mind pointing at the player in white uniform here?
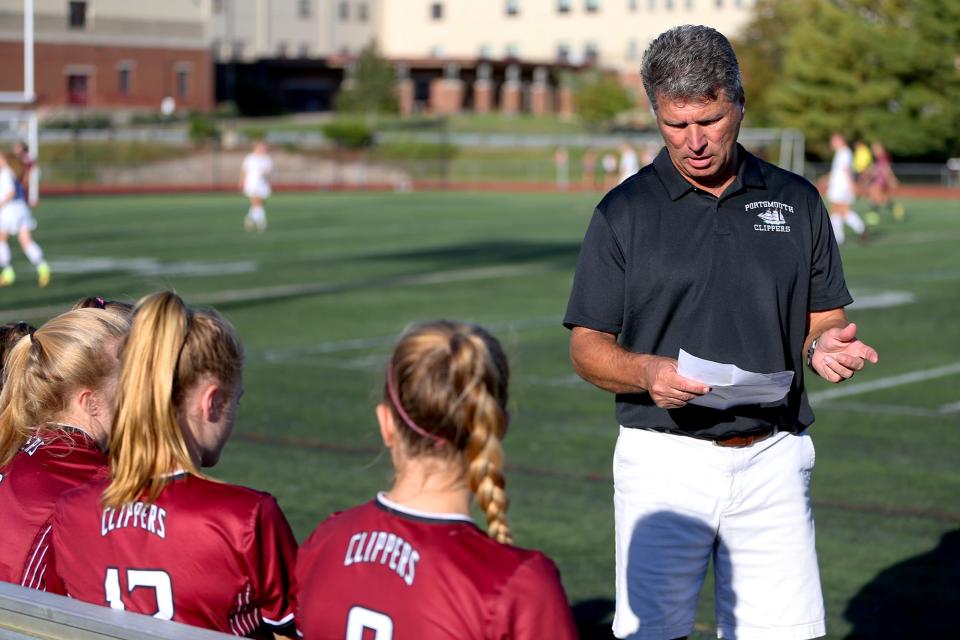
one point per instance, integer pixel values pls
(16, 219)
(629, 162)
(840, 190)
(253, 181)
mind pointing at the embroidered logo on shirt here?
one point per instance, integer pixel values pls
(772, 215)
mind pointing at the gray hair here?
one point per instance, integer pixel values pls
(691, 62)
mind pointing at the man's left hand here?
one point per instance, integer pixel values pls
(839, 354)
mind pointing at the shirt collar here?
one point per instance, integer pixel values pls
(748, 174)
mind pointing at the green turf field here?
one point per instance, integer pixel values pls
(319, 298)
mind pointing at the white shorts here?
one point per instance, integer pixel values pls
(259, 189)
(840, 195)
(15, 216)
(680, 500)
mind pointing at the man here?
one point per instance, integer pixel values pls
(714, 251)
(841, 190)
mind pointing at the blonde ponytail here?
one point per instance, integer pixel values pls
(451, 384)
(72, 351)
(169, 347)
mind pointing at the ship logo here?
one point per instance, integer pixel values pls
(772, 217)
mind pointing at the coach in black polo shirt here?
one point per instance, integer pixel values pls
(731, 259)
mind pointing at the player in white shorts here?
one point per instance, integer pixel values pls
(16, 219)
(841, 192)
(257, 166)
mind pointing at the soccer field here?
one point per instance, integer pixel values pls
(320, 297)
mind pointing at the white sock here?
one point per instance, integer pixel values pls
(4, 254)
(855, 222)
(34, 253)
(258, 215)
(837, 223)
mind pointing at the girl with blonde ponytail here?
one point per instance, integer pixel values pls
(55, 412)
(213, 555)
(411, 563)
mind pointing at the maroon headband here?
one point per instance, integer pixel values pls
(395, 400)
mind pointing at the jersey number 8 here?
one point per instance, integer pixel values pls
(360, 619)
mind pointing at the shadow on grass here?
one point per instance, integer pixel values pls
(919, 597)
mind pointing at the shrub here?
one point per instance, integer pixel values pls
(348, 134)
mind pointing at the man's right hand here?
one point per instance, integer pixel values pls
(667, 388)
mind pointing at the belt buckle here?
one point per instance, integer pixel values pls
(740, 442)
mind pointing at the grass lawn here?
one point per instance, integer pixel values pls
(319, 298)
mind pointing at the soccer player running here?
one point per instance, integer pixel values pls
(411, 563)
(257, 166)
(711, 250)
(158, 537)
(16, 220)
(841, 190)
(55, 413)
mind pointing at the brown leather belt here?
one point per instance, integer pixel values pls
(745, 440)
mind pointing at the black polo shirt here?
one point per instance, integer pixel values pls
(666, 266)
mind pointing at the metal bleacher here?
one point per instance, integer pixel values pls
(26, 614)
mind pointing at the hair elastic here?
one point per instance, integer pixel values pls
(395, 400)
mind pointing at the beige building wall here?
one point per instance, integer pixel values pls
(122, 23)
(617, 30)
(248, 30)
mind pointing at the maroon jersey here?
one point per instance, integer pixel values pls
(206, 553)
(48, 464)
(381, 571)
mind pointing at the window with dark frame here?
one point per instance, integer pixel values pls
(77, 89)
(304, 8)
(183, 83)
(77, 14)
(513, 7)
(436, 11)
(564, 6)
(123, 80)
(592, 6)
(362, 13)
(344, 11)
(217, 6)
(563, 53)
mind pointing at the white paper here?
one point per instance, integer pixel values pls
(730, 385)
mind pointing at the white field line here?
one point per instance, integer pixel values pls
(844, 390)
(881, 300)
(953, 407)
(288, 291)
(883, 409)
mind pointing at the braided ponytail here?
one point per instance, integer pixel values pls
(447, 383)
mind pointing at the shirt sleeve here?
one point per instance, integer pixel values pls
(534, 605)
(274, 565)
(828, 289)
(596, 301)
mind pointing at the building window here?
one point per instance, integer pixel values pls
(238, 47)
(668, 4)
(513, 7)
(436, 51)
(632, 49)
(183, 82)
(304, 8)
(485, 51)
(77, 89)
(282, 49)
(592, 6)
(77, 14)
(513, 50)
(217, 6)
(688, 4)
(123, 80)
(652, 5)
(436, 11)
(564, 6)
(304, 51)
(362, 12)
(590, 53)
(344, 11)
(563, 53)
(632, 4)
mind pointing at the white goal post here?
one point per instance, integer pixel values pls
(17, 120)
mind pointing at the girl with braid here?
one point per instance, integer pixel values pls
(55, 412)
(411, 563)
(157, 536)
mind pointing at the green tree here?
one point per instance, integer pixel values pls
(876, 69)
(599, 97)
(371, 89)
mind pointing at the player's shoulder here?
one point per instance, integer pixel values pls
(351, 518)
(225, 494)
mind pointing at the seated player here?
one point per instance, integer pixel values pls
(411, 563)
(158, 537)
(55, 413)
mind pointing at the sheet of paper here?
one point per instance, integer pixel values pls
(730, 385)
